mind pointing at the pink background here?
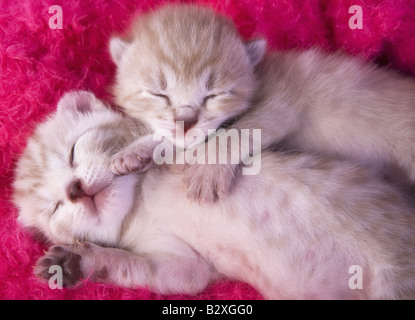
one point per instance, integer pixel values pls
(38, 64)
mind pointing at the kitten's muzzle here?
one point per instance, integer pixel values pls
(186, 117)
(187, 125)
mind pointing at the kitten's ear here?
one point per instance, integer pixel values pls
(117, 48)
(80, 101)
(256, 50)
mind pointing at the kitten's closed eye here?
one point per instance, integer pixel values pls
(72, 155)
(58, 204)
(207, 98)
(163, 96)
(167, 99)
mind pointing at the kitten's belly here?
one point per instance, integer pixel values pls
(223, 233)
(258, 242)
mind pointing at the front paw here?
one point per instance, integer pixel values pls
(64, 257)
(125, 162)
(207, 183)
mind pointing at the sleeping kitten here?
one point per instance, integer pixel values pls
(176, 75)
(293, 231)
(310, 101)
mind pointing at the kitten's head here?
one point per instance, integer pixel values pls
(187, 64)
(63, 185)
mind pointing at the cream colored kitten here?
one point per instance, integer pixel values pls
(299, 229)
(311, 101)
(175, 74)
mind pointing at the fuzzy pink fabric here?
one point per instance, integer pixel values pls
(38, 64)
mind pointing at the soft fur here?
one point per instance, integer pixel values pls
(305, 99)
(39, 64)
(197, 75)
(292, 231)
(198, 72)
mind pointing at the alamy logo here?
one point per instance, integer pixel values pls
(223, 147)
(356, 280)
(56, 280)
(356, 20)
(56, 21)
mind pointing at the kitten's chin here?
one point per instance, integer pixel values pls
(112, 205)
(95, 205)
(113, 201)
(99, 200)
(184, 140)
(90, 205)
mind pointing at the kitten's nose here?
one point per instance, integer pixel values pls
(75, 190)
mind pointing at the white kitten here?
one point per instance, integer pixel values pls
(60, 174)
(292, 231)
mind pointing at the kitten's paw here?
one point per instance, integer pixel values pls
(210, 182)
(135, 157)
(126, 162)
(64, 257)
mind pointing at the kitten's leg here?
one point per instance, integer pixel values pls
(135, 157)
(210, 182)
(162, 272)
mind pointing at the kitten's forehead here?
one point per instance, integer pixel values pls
(42, 159)
(168, 76)
(187, 38)
(43, 165)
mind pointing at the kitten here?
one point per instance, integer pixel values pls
(293, 231)
(54, 177)
(306, 100)
(176, 75)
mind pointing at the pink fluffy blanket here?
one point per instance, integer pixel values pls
(38, 64)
